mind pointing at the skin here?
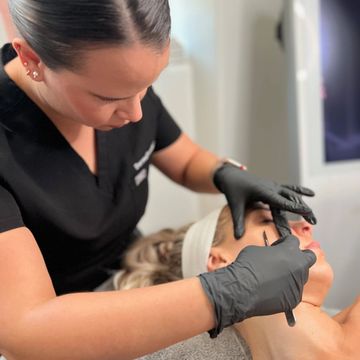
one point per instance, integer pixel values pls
(113, 325)
(315, 335)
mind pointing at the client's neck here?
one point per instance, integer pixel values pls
(270, 337)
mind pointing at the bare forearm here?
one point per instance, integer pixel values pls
(187, 164)
(198, 175)
(112, 325)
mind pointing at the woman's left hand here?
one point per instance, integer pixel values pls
(241, 188)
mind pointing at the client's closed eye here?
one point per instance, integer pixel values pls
(263, 217)
(267, 220)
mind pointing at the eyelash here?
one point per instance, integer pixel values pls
(108, 100)
(267, 221)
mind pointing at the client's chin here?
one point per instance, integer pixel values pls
(321, 277)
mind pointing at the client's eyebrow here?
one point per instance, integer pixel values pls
(258, 206)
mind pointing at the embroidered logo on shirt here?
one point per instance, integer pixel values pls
(145, 157)
(140, 177)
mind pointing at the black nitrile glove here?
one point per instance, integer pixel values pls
(281, 222)
(261, 281)
(242, 188)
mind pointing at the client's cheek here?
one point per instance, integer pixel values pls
(253, 239)
(272, 235)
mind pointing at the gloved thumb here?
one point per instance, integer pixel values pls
(310, 257)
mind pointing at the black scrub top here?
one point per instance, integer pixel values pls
(81, 222)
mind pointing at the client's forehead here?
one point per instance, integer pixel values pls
(256, 209)
(257, 206)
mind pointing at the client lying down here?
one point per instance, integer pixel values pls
(209, 245)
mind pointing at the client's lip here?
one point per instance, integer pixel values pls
(313, 245)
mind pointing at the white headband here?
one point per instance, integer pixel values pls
(197, 245)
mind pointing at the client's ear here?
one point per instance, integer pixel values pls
(218, 258)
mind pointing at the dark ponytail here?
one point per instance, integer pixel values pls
(60, 30)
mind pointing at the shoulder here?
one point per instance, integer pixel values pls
(152, 105)
(10, 215)
(10, 94)
(157, 122)
(350, 346)
(151, 96)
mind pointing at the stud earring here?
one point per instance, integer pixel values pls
(35, 74)
(25, 63)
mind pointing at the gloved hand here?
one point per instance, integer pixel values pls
(241, 188)
(261, 281)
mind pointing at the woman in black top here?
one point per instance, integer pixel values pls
(80, 125)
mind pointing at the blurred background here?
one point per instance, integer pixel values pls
(241, 93)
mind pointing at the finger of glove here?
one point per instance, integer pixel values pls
(293, 202)
(238, 217)
(300, 190)
(280, 222)
(296, 199)
(310, 257)
(311, 219)
(285, 200)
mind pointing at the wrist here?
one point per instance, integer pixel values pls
(225, 162)
(230, 303)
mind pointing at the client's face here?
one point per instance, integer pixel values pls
(260, 220)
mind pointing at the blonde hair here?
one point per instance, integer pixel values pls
(156, 259)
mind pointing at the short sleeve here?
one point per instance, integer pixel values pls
(10, 216)
(167, 129)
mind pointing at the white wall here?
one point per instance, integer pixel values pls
(3, 32)
(170, 205)
(337, 201)
(7, 30)
(238, 65)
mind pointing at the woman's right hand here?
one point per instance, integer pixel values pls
(261, 281)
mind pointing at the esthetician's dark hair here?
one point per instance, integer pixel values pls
(60, 30)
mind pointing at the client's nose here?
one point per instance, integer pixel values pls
(301, 228)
